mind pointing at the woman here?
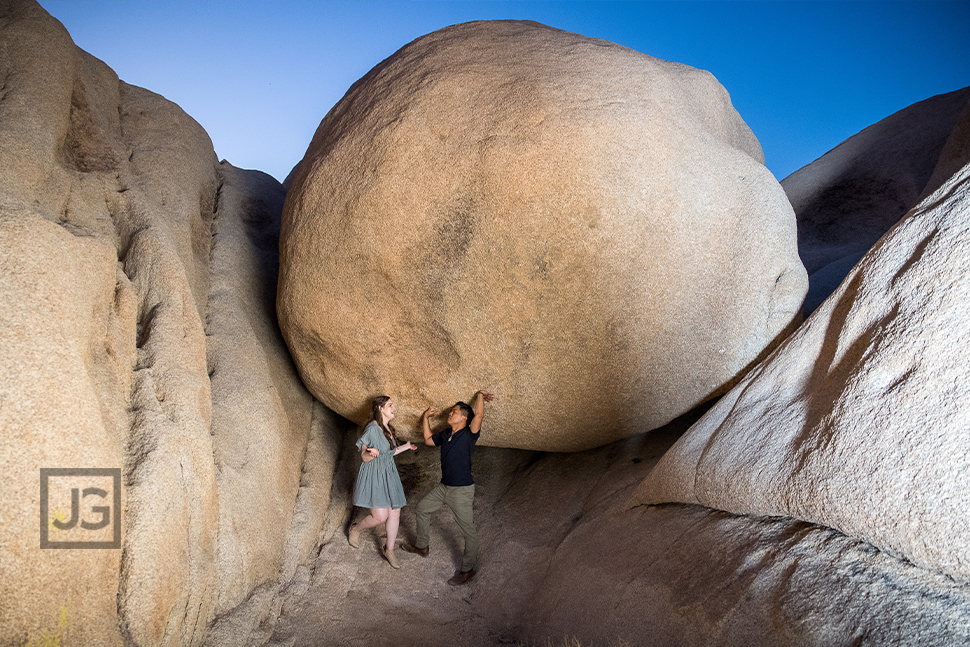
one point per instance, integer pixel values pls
(378, 485)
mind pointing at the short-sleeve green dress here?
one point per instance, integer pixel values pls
(378, 483)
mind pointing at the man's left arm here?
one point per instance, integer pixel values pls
(478, 406)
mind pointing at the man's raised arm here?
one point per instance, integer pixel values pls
(478, 406)
(426, 426)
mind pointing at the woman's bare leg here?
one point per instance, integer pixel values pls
(376, 517)
(393, 523)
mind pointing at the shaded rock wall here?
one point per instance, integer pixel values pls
(137, 331)
(848, 198)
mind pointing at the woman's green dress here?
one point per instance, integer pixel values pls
(378, 483)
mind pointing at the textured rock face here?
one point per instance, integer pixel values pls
(137, 285)
(859, 420)
(848, 198)
(558, 218)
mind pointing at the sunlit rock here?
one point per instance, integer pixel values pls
(586, 230)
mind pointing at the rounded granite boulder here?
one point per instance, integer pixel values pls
(585, 230)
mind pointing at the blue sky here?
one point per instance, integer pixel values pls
(260, 75)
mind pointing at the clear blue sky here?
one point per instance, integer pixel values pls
(260, 75)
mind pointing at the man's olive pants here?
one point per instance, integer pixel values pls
(459, 499)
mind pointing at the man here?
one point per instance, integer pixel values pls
(457, 489)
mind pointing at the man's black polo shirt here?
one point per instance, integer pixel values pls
(456, 455)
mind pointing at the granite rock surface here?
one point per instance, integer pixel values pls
(138, 333)
(848, 198)
(858, 421)
(558, 218)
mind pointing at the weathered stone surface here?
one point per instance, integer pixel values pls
(586, 230)
(859, 420)
(137, 331)
(848, 198)
(582, 567)
(273, 444)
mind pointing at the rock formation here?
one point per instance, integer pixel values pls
(859, 420)
(848, 198)
(586, 230)
(137, 332)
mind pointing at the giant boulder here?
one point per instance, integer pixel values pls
(859, 420)
(586, 230)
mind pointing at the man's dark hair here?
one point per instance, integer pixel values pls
(467, 411)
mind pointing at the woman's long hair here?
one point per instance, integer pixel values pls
(375, 416)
